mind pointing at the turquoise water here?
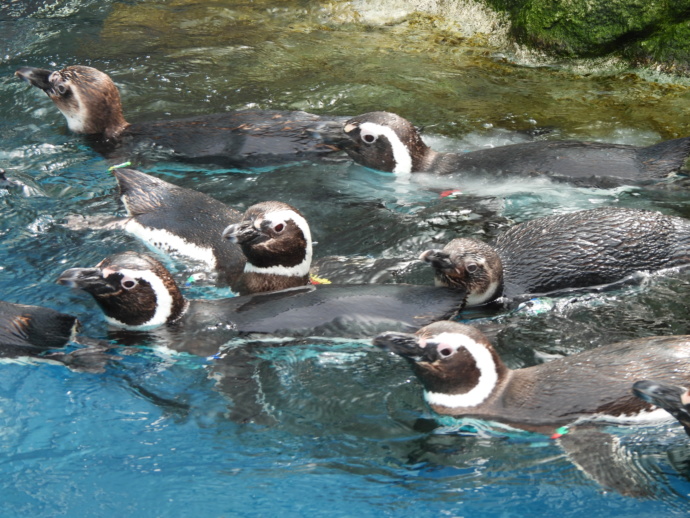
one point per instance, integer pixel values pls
(336, 427)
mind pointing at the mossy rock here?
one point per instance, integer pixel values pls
(668, 50)
(639, 29)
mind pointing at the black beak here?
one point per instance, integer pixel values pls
(437, 258)
(37, 77)
(242, 232)
(331, 133)
(404, 344)
(88, 279)
(664, 396)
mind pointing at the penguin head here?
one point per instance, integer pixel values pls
(386, 142)
(468, 264)
(87, 98)
(134, 291)
(674, 399)
(275, 238)
(456, 364)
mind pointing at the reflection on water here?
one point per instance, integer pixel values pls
(334, 426)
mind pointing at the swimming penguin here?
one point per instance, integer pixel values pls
(276, 241)
(387, 142)
(36, 331)
(90, 102)
(137, 293)
(581, 249)
(672, 398)
(182, 221)
(464, 377)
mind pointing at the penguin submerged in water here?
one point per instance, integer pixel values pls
(91, 104)
(136, 292)
(578, 250)
(387, 142)
(464, 377)
(36, 332)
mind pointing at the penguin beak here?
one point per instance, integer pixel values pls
(403, 344)
(241, 233)
(437, 259)
(331, 133)
(668, 397)
(351, 132)
(37, 77)
(88, 279)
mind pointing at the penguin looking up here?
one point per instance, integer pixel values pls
(387, 142)
(91, 104)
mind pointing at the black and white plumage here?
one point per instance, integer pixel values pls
(91, 104)
(577, 250)
(276, 241)
(568, 398)
(463, 376)
(136, 292)
(387, 142)
(672, 398)
(181, 221)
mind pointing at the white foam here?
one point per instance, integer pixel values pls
(488, 374)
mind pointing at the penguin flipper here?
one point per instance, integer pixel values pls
(601, 457)
(92, 358)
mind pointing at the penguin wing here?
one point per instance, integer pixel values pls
(601, 457)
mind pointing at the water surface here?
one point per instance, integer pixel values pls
(333, 427)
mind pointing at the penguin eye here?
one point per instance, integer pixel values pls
(368, 137)
(471, 267)
(279, 227)
(61, 89)
(128, 283)
(445, 352)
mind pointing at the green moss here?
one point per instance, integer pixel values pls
(667, 49)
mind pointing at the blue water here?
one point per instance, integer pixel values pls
(334, 426)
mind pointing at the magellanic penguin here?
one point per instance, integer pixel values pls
(91, 104)
(387, 142)
(567, 398)
(578, 250)
(137, 293)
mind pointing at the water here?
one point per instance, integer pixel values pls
(336, 425)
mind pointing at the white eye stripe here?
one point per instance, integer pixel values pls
(488, 375)
(164, 301)
(283, 216)
(401, 155)
(300, 270)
